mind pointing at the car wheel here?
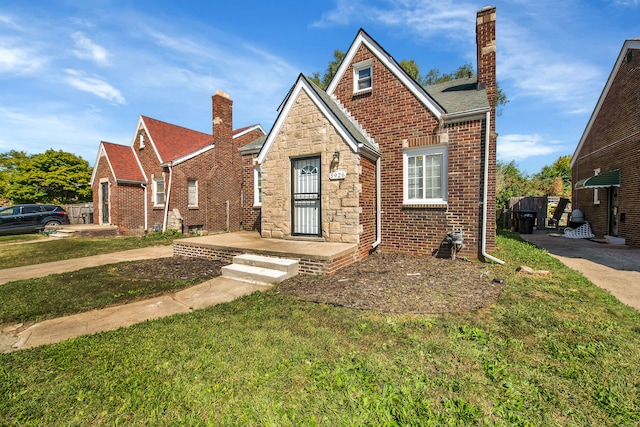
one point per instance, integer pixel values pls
(52, 223)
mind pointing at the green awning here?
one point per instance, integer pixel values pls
(607, 179)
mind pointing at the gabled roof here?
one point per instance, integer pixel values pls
(344, 124)
(362, 38)
(628, 44)
(239, 132)
(122, 162)
(174, 143)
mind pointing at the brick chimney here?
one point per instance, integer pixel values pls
(486, 55)
(227, 167)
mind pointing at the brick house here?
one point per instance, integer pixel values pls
(171, 177)
(380, 161)
(605, 163)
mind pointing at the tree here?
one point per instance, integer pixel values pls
(412, 69)
(50, 177)
(338, 56)
(555, 180)
(8, 165)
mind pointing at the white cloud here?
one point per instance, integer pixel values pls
(519, 147)
(425, 19)
(95, 85)
(86, 49)
(19, 60)
(8, 22)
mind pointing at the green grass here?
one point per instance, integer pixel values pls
(58, 250)
(87, 289)
(552, 351)
(19, 238)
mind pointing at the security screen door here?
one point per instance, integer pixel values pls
(305, 196)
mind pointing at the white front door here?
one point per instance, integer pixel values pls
(306, 196)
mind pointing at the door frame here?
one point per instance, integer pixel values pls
(613, 211)
(318, 195)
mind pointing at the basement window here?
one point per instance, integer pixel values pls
(363, 76)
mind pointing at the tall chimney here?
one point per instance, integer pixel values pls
(222, 107)
(225, 185)
(486, 55)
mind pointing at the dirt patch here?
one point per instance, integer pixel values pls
(401, 283)
(173, 268)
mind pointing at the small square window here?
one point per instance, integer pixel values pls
(362, 76)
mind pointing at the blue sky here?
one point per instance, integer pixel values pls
(74, 73)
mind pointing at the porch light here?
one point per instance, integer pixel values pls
(336, 156)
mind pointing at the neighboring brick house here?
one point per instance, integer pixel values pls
(604, 167)
(171, 177)
(380, 161)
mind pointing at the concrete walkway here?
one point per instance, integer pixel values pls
(56, 267)
(214, 291)
(615, 268)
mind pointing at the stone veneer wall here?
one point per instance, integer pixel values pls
(307, 132)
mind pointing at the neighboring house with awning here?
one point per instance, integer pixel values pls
(606, 163)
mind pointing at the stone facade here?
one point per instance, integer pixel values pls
(307, 132)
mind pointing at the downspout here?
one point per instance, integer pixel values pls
(146, 209)
(378, 207)
(485, 192)
(166, 204)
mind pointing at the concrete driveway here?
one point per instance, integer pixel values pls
(615, 268)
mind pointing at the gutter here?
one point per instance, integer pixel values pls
(485, 192)
(378, 207)
(146, 208)
(166, 203)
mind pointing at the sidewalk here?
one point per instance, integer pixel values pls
(615, 268)
(211, 292)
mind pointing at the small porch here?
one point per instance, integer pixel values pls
(314, 256)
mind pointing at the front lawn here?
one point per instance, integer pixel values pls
(19, 255)
(552, 351)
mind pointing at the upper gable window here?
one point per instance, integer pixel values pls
(362, 76)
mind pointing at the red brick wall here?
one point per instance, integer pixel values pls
(368, 204)
(391, 114)
(611, 144)
(152, 169)
(250, 213)
(125, 201)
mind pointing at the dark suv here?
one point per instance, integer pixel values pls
(27, 218)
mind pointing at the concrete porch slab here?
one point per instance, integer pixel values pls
(252, 242)
(314, 257)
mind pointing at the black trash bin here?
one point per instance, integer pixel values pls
(526, 220)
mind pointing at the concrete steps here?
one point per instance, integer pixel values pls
(61, 233)
(260, 269)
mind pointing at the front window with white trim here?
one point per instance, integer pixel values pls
(192, 193)
(257, 186)
(363, 76)
(158, 191)
(425, 175)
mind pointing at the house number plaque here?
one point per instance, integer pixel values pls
(337, 175)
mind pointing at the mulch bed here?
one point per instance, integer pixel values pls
(400, 283)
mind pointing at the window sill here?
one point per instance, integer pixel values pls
(193, 207)
(440, 206)
(363, 92)
(257, 206)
